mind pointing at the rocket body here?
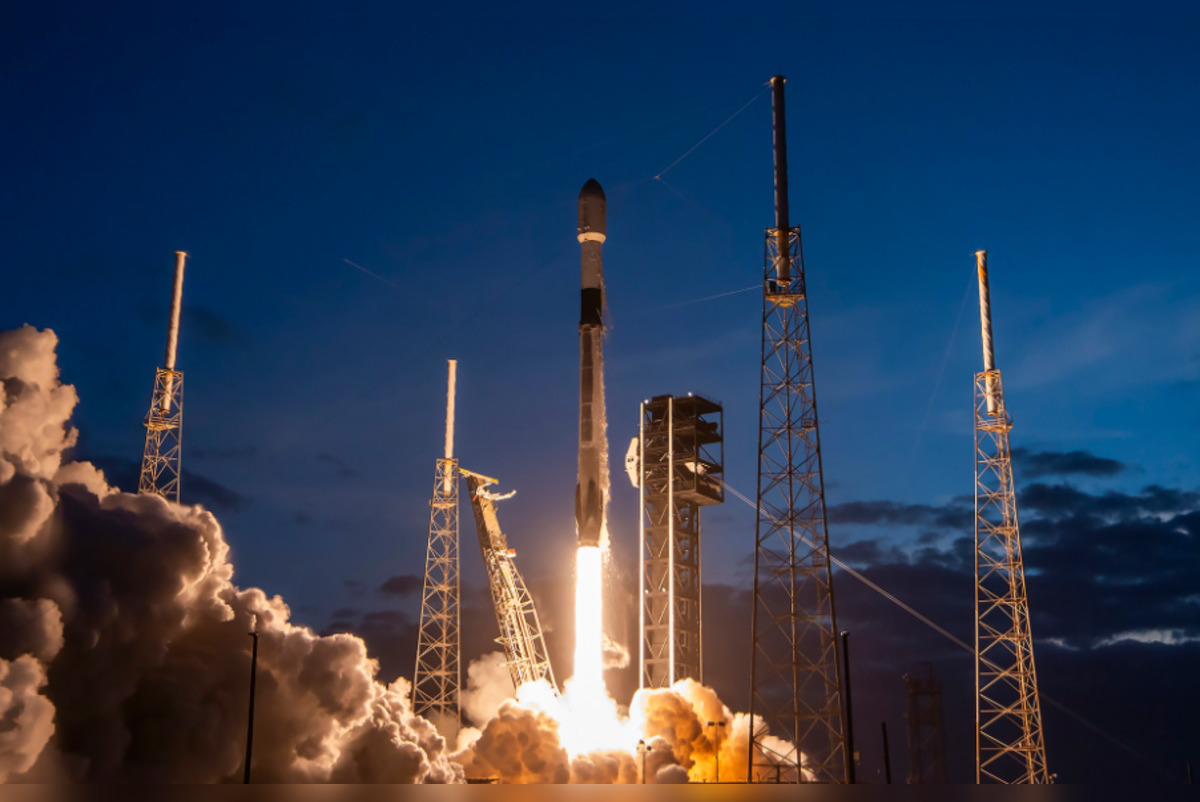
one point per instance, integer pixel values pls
(593, 468)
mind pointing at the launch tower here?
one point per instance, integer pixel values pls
(438, 675)
(926, 728)
(516, 615)
(164, 422)
(1008, 717)
(681, 459)
(795, 677)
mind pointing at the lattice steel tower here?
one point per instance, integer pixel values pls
(438, 674)
(926, 728)
(681, 464)
(521, 637)
(795, 677)
(164, 422)
(1008, 718)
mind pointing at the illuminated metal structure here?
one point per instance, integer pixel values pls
(1008, 718)
(520, 629)
(161, 456)
(680, 468)
(795, 676)
(926, 728)
(437, 678)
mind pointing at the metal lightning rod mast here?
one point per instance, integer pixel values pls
(795, 678)
(164, 422)
(437, 677)
(1008, 718)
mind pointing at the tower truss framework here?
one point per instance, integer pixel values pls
(161, 456)
(795, 672)
(526, 656)
(681, 459)
(437, 677)
(1008, 734)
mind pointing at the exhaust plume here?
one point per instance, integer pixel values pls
(123, 649)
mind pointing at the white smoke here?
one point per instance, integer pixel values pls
(124, 653)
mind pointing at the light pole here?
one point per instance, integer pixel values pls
(718, 747)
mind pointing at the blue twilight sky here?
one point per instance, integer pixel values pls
(445, 157)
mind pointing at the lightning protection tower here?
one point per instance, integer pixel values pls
(681, 456)
(1008, 718)
(795, 677)
(926, 728)
(438, 676)
(164, 422)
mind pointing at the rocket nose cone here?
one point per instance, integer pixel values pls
(591, 208)
(591, 189)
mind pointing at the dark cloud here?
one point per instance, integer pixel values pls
(1063, 500)
(401, 585)
(952, 516)
(865, 552)
(1036, 464)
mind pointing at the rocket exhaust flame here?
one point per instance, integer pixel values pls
(589, 660)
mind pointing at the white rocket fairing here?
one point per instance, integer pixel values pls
(589, 492)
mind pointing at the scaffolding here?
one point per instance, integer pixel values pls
(1008, 719)
(795, 676)
(681, 458)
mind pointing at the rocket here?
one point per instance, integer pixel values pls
(589, 492)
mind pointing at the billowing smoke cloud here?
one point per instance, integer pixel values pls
(124, 653)
(522, 743)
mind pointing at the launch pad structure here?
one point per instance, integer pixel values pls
(437, 678)
(163, 451)
(680, 468)
(1008, 717)
(795, 673)
(516, 615)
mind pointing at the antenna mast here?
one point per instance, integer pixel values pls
(795, 677)
(438, 675)
(164, 422)
(1008, 717)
